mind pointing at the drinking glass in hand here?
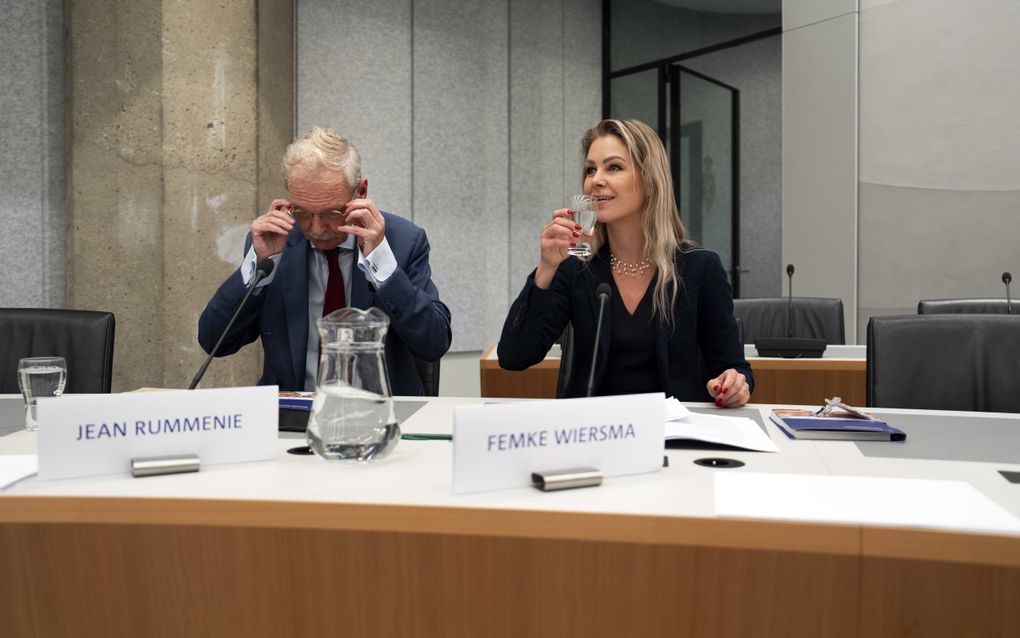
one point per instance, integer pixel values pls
(584, 207)
(40, 377)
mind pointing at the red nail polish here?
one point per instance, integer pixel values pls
(575, 234)
(570, 212)
(716, 388)
(725, 390)
(577, 227)
(572, 244)
(718, 401)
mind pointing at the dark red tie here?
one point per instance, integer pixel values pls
(334, 284)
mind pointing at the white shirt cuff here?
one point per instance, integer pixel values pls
(248, 267)
(379, 264)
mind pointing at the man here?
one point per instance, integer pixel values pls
(332, 248)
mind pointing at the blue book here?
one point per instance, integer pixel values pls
(297, 400)
(802, 424)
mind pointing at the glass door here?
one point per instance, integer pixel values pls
(702, 138)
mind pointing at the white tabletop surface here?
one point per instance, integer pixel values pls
(420, 472)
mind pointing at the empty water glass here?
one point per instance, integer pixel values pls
(40, 377)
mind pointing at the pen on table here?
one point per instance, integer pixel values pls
(427, 437)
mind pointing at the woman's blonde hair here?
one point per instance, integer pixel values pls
(323, 148)
(662, 230)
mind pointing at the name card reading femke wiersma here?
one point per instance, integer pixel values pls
(81, 435)
(497, 446)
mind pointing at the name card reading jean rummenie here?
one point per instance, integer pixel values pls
(497, 446)
(86, 434)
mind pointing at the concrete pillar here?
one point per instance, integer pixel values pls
(166, 128)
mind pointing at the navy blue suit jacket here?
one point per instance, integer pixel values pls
(278, 314)
(703, 320)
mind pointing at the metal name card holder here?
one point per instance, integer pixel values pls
(566, 479)
(157, 465)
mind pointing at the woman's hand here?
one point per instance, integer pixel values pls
(729, 389)
(557, 236)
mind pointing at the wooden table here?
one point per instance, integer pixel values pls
(787, 381)
(808, 381)
(300, 547)
(194, 567)
(537, 382)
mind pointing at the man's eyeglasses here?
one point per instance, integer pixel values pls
(328, 217)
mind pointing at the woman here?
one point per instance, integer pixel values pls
(669, 298)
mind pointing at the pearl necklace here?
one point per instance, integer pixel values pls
(631, 270)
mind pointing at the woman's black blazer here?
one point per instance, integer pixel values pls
(701, 343)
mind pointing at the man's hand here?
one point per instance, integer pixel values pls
(269, 232)
(365, 222)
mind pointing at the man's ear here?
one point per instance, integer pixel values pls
(362, 190)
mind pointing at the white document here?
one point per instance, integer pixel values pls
(498, 446)
(14, 467)
(725, 430)
(861, 500)
(676, 410)
(86, 434)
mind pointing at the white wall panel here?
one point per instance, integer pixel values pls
(801, 13)
(939, 95)
(939, 159)
(820, 161)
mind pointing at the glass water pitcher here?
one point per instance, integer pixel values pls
(352, 415)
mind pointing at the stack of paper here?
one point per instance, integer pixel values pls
(740, 432)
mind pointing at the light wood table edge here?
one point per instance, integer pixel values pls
(493, 364)
(538, 524)
(799, 537)
(942, 546)
(770, 363)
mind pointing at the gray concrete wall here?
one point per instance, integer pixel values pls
(166, 125)
(32, 162)
(469, 116)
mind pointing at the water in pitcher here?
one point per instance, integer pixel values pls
(349, 423)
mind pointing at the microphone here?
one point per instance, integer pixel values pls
(789, 305)
(789, 346)
(1006, 278)
(263, 269)
(602, 292)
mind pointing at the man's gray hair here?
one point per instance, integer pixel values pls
(323, 148)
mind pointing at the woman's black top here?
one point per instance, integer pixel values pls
(631, 367)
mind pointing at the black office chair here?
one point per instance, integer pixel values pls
(428, 371)
(962, 306)
(813, 317)
(944, 362)
(84, 338)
